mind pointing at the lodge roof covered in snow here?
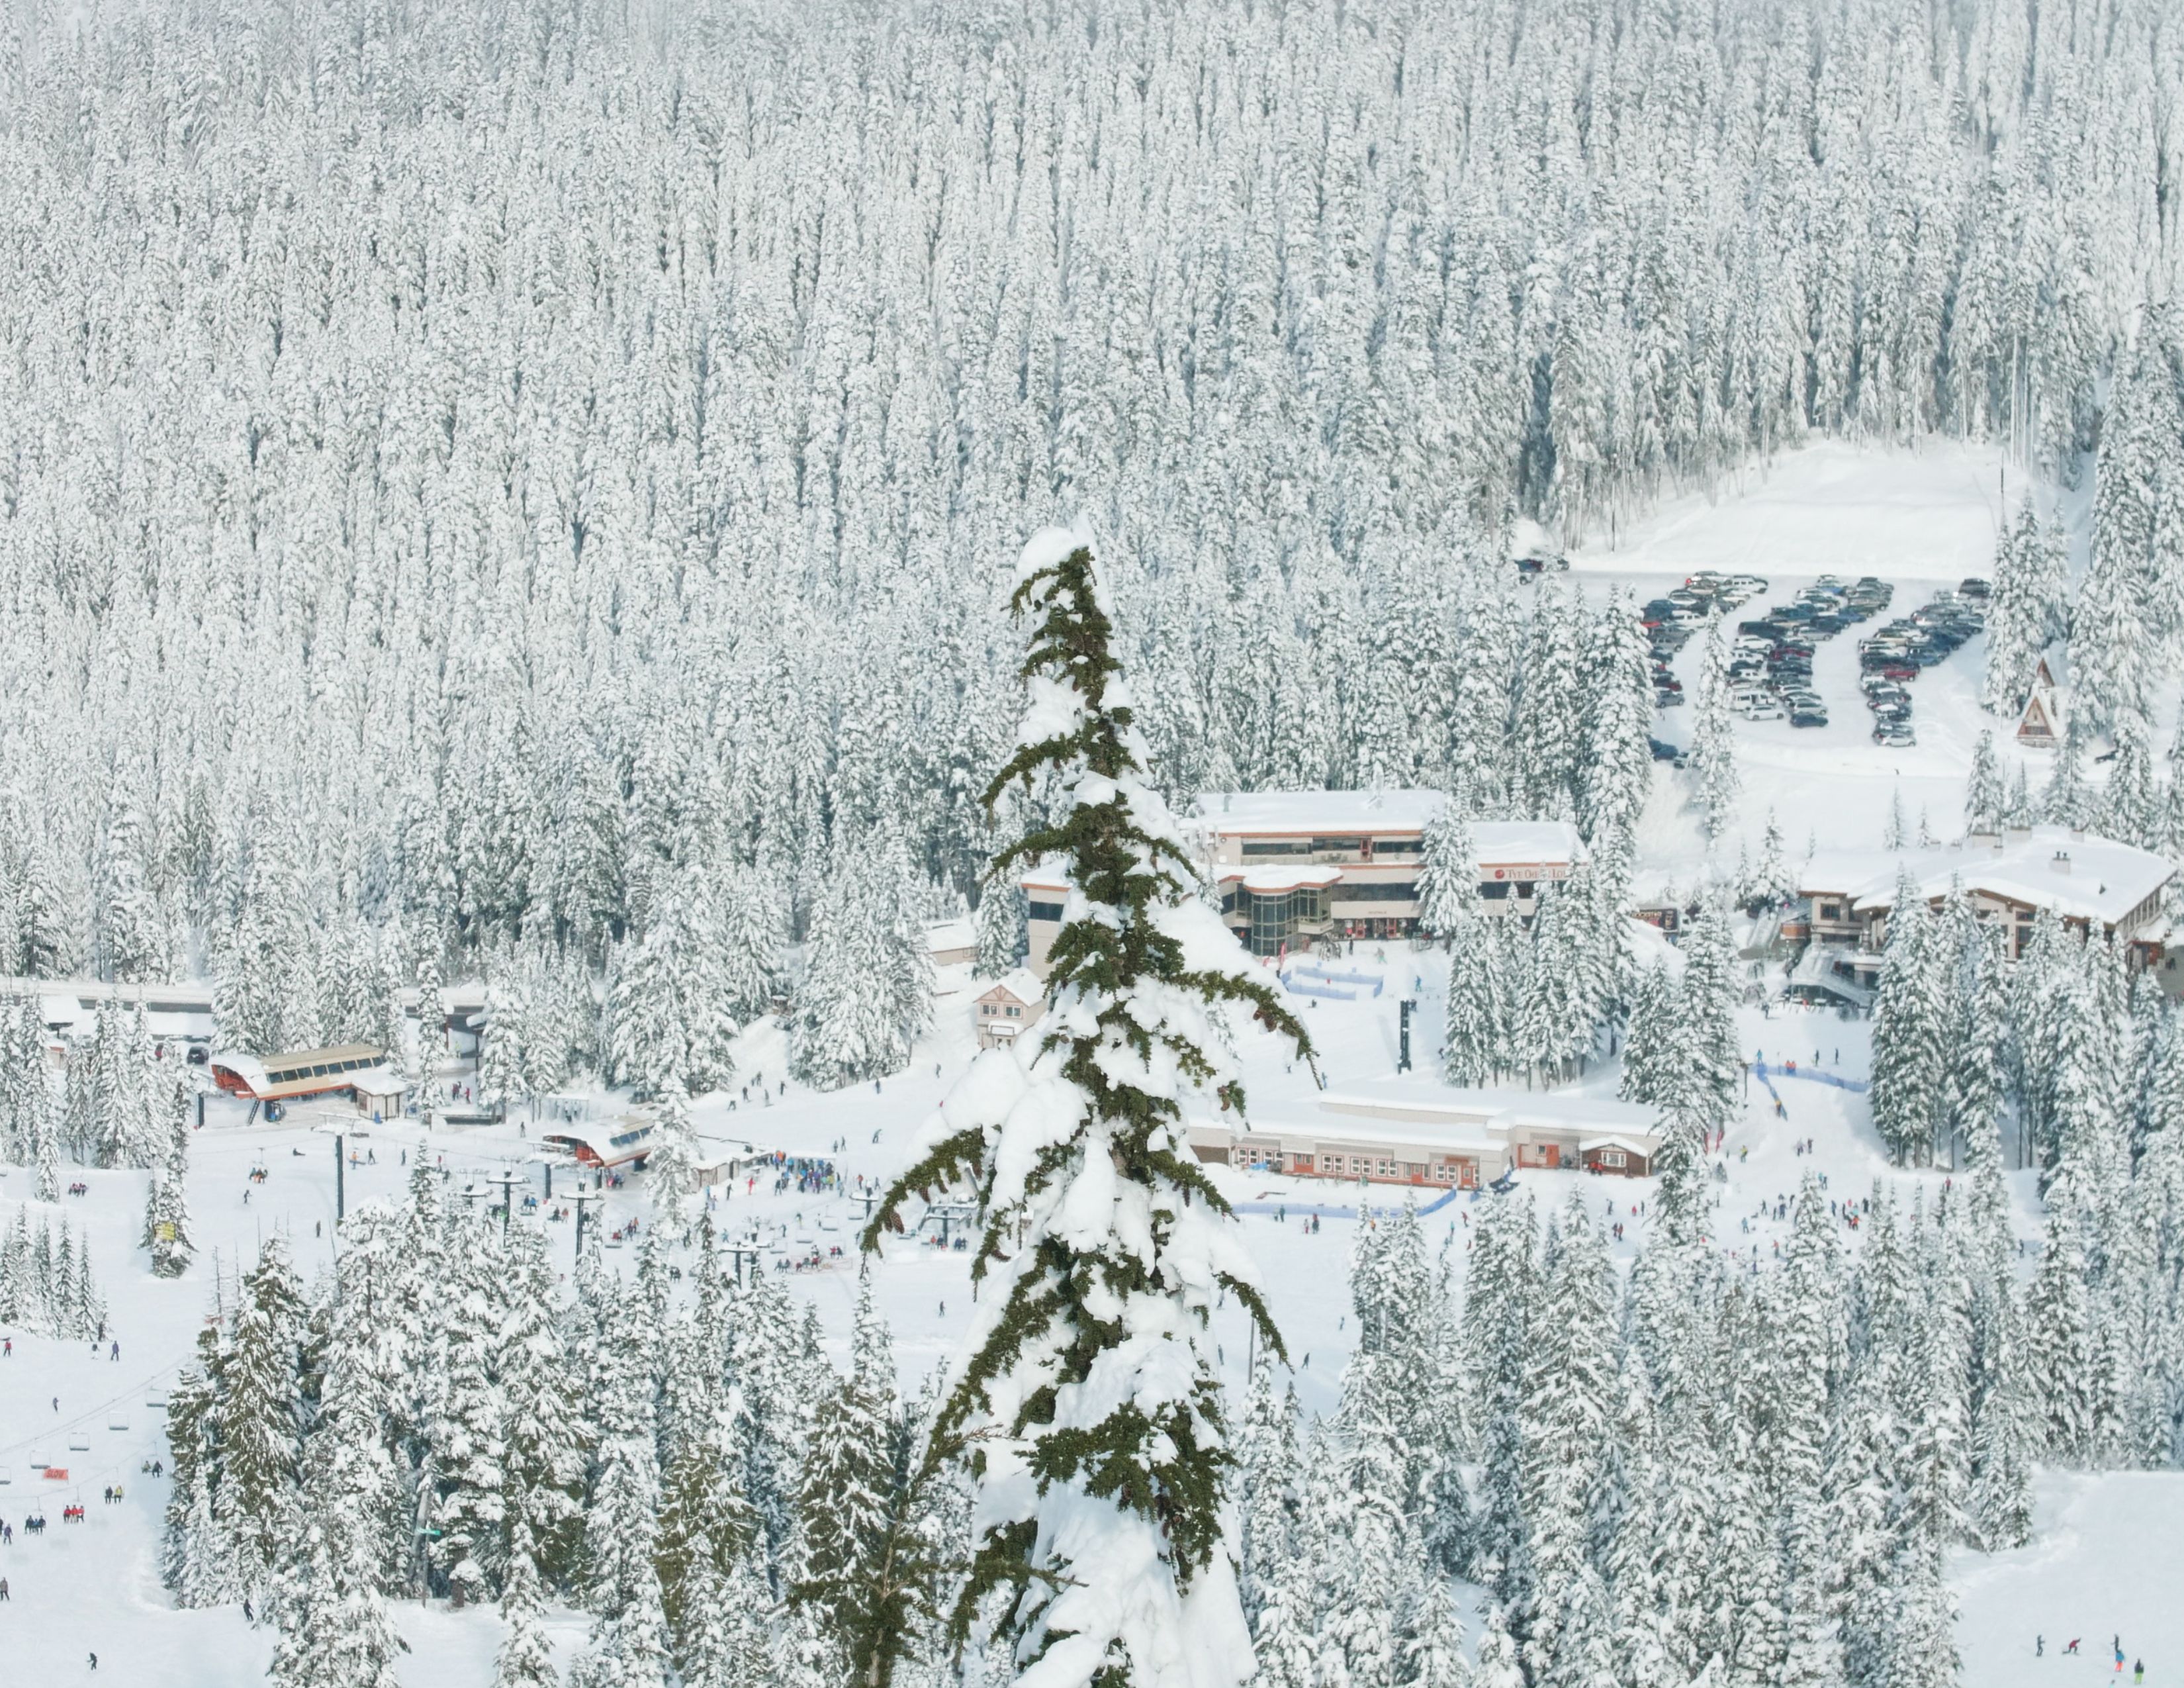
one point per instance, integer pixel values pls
(1297, 814)
(2079, 875)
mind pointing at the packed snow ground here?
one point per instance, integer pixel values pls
(2108, 1550)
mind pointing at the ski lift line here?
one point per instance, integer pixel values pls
(8, 1450)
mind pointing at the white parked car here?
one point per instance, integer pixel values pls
(1762, 709)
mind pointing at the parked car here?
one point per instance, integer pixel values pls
(1761, 709)
(1972, 586)
(1663, 751)
(1895, 734)
(1808, 717)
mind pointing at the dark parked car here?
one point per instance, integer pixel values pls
(1663, 752)
(1808, 717)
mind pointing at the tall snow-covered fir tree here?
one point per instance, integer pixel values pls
(167, 1204)
(1086, 1396)
(1448, 870)
(1714, 737)
(1909, 1027)
(868, 982)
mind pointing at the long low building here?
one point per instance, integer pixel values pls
(1294, 866)
(1459, 1140)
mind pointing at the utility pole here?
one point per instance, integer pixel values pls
(1403, 1042)
(583, 1198)
(508, 1182)
(341, 1188)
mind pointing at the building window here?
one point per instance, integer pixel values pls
(1275, 919)
(1400, 891)
(1045, 912)
(1494, 890)
(1830, 912)
(1276, 847)
(1016, 1013)
(1338, 846)
(1397, 846)
(1614, 1157)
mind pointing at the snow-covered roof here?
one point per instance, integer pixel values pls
(1294, 1135)
(1023, 984)
(1046, 876)
(608, 1139)
(1250, 814)
(1497, 841)
(1269, 881)
(942, 936)
(2080, 876)
(1225, 812)
(1500, 1110)
(1460, 1121)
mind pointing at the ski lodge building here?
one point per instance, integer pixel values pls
(2092, 883)
(1295, 866)
(1460, 1140)
(359, 1070)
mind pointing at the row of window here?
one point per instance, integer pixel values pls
(321, 1071)
(1391, 891)
(1331, 846)
(1371, 1166)
(1306, 904)
(1012, 1010)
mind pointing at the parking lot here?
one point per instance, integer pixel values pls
(1771, 653)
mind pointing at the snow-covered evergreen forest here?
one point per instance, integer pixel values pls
(1643, 1471)
(536, 476)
